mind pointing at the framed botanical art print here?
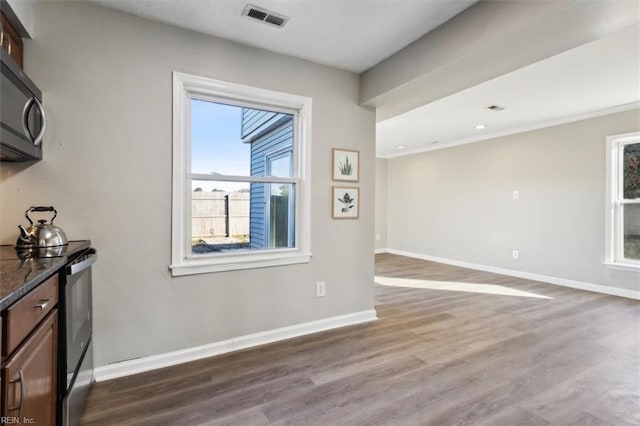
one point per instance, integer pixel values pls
(346, 202)
(346, 165)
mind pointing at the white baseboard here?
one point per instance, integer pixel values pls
(153, 362)
(381, 250)
(630, 294)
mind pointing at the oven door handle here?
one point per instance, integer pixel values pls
(76, 268)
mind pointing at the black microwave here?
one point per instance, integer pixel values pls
(22, 117)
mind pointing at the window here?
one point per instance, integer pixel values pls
(281, 206)
(623, 200)
(240, 177)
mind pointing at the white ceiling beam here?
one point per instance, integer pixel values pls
(485, 41)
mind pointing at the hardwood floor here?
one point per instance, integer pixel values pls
(495, 351)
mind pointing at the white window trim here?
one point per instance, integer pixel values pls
(186, 86)
(614, 249)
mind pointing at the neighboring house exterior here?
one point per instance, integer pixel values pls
(271, 208)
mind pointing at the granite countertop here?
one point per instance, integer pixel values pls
(19, 276)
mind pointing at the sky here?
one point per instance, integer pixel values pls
(216, 146)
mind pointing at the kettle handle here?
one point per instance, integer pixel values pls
(41, 209)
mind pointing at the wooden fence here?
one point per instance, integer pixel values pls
(219, 214)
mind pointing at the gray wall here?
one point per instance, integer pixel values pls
(457, 203)
(381, 203)
(106, 79)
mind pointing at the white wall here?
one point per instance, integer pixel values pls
(457, 203)
(381, 203)
(106, 79)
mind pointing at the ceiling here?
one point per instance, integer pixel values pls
(321, 31)
(592, 79)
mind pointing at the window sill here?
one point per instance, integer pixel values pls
(622, 266)
(209, 265)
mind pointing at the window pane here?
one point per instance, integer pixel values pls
(280, 165)
(281, 215)
(632, 231)
(267, 132)
(232, 216)
(631, 172)
(216, 143)
(272, 217)
(219, 216)
(232, 140)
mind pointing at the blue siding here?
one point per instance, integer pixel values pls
(257, 209)
(268, 132)
(257, 123)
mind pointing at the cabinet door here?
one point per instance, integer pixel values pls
(10, 40)
(29, 377)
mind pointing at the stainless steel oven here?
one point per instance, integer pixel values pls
(76, 358)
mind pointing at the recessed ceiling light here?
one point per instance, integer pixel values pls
(481, 126)
(400, 146)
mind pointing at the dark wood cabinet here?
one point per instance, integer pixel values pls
(10, 39)
(22, 317)
(29, 376)
(29, 357)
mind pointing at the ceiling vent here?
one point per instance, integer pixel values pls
(495, 108)
(265, 16)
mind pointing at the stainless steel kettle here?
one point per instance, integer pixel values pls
(42, 234)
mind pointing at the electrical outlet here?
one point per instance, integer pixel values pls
(516, 195)
(377, 237)
(516, 254)
(321, 289)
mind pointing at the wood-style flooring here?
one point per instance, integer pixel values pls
(496, 350)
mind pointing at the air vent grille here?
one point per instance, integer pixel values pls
(275, 20)
(257, 14)
(265, 16)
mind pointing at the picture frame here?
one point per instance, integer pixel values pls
(346, 165)
(346, 202)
